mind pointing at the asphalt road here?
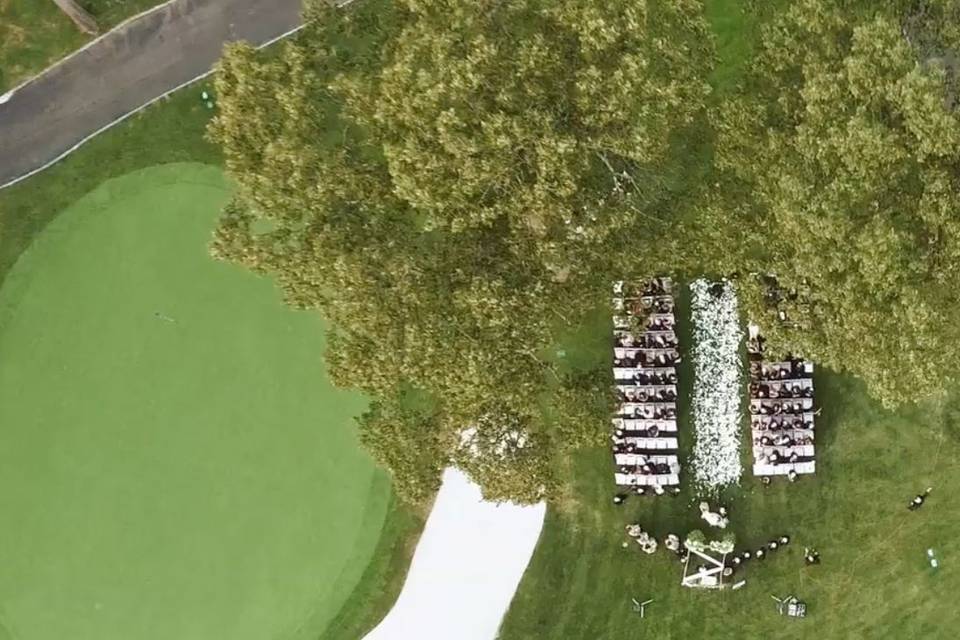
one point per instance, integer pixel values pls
(127, 68)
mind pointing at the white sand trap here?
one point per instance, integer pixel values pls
(466, 568)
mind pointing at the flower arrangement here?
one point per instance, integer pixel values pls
(718, 384)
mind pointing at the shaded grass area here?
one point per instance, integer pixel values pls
(35, 33)
(736, 27)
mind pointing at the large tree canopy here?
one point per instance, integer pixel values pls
(443, 180)
(456, 184)
(847, 149)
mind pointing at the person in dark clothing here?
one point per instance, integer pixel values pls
(920, 498)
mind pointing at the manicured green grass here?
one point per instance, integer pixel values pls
(175, 464)
(874, 581)
(35, 33)
(172, 131)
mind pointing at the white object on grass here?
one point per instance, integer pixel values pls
(717, 385)
(466, 568)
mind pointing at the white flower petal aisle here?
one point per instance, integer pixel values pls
(717, 384)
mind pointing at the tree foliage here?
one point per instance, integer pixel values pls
(455, 185)
(846, 152)
(439, 178)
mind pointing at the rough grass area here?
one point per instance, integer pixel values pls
(383, 579)
(35, 33)
(874, 581)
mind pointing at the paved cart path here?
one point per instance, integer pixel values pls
(126, 69)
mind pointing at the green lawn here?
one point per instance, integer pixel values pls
(175, 463)
(35, 33)
(172, 131)
(874, 581)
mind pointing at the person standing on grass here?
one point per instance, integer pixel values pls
(918, 501)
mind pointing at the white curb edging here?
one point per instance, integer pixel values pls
(5, 97)
(133, 112)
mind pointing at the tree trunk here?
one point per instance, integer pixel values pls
(78, 14)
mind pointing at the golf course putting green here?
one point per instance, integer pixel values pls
(174, 463)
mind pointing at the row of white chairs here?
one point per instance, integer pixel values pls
(784, 469)
(666, 282)
(803, 383)
(651, 388)
(767, 367)
(628, 374)
(806, 403)
(648, 480)
(757, 418)
(635, 424)
(649, 443)
(630, 459)
(803, 450)
(623, 322)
